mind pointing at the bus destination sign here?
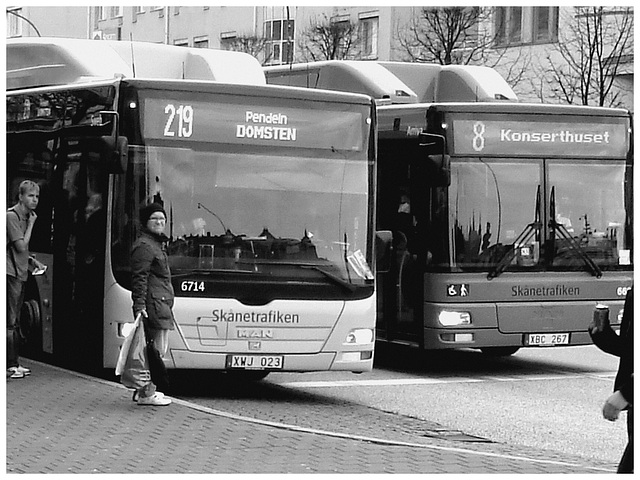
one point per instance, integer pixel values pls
(518, 138)
(199, 121)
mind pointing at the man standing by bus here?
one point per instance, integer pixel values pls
(622, 398)
(20, 220)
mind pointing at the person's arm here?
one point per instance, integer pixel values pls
(627, 390)
(619, 400)
(141, 260)
(606, 340)
(22, 244)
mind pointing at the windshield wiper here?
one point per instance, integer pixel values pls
(574, 246)
(531, 229)
(312, 266)
(210, 272)
(334, 278)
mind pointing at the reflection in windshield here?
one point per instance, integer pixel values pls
(592, 212)
(491, 204)
(260, 214)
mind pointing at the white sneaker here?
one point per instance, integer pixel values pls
(15, 372)
(157, 399)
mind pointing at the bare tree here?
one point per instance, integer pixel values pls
(459, 35)
(328, 39)
(584, 65)
(251, 44)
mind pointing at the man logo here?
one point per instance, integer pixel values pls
(254, 333)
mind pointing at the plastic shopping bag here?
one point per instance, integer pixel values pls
(126, 345)
(136, 373)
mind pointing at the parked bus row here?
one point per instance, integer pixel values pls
(508, 221)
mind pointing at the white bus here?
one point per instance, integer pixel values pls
(268, 190)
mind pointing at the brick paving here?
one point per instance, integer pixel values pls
(58, 421)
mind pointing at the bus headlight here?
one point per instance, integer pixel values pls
(452, 319)
(360, 335)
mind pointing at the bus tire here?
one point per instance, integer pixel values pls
(30, 322)
(499, 351)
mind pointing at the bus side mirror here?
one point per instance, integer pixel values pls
(384, 242)
(439, 163)
(114, 153)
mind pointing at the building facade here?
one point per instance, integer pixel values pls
(523, 48)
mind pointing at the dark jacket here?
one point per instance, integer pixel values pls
(151, 287)
(621, 346)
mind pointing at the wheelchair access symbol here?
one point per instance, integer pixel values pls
(458, 290)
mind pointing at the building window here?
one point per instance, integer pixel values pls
(115, 12)
(201, 42)
(508, 25)
(545, 24)
(279, 35)
(518, 25)
(181, 42)
(514, 25)
(14, 22)
(369, 36)
(139, 9)
(228, 40)
(99, 14)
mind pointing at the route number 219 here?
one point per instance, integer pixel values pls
(179, 120)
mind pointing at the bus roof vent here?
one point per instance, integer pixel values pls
(57, 61)
(452, 83)
(354, 76)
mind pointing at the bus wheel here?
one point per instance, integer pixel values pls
(499, 351)
(248, 375)
(30, 322)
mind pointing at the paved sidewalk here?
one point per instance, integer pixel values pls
(60, 421)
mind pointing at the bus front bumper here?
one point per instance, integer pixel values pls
(435, 339)
(327, 361)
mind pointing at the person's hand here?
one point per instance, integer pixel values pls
(142, 312)
(32, 218)
(613, 406)
(593, 328)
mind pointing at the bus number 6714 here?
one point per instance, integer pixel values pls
(192, 286)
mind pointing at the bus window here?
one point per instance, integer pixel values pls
(34, 160)
(598, 226)
(490, 204)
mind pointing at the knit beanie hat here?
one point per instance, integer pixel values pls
(147, 211)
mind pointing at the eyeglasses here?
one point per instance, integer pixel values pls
(158, 219)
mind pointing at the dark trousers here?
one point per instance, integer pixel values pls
(15, 297)
(626, 463)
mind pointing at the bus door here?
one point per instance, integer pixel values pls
(29, 158)
(402, 206)
(79, 247)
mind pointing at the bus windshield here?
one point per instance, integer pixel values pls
(270, 208)
(492, 203)
(291, 219)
